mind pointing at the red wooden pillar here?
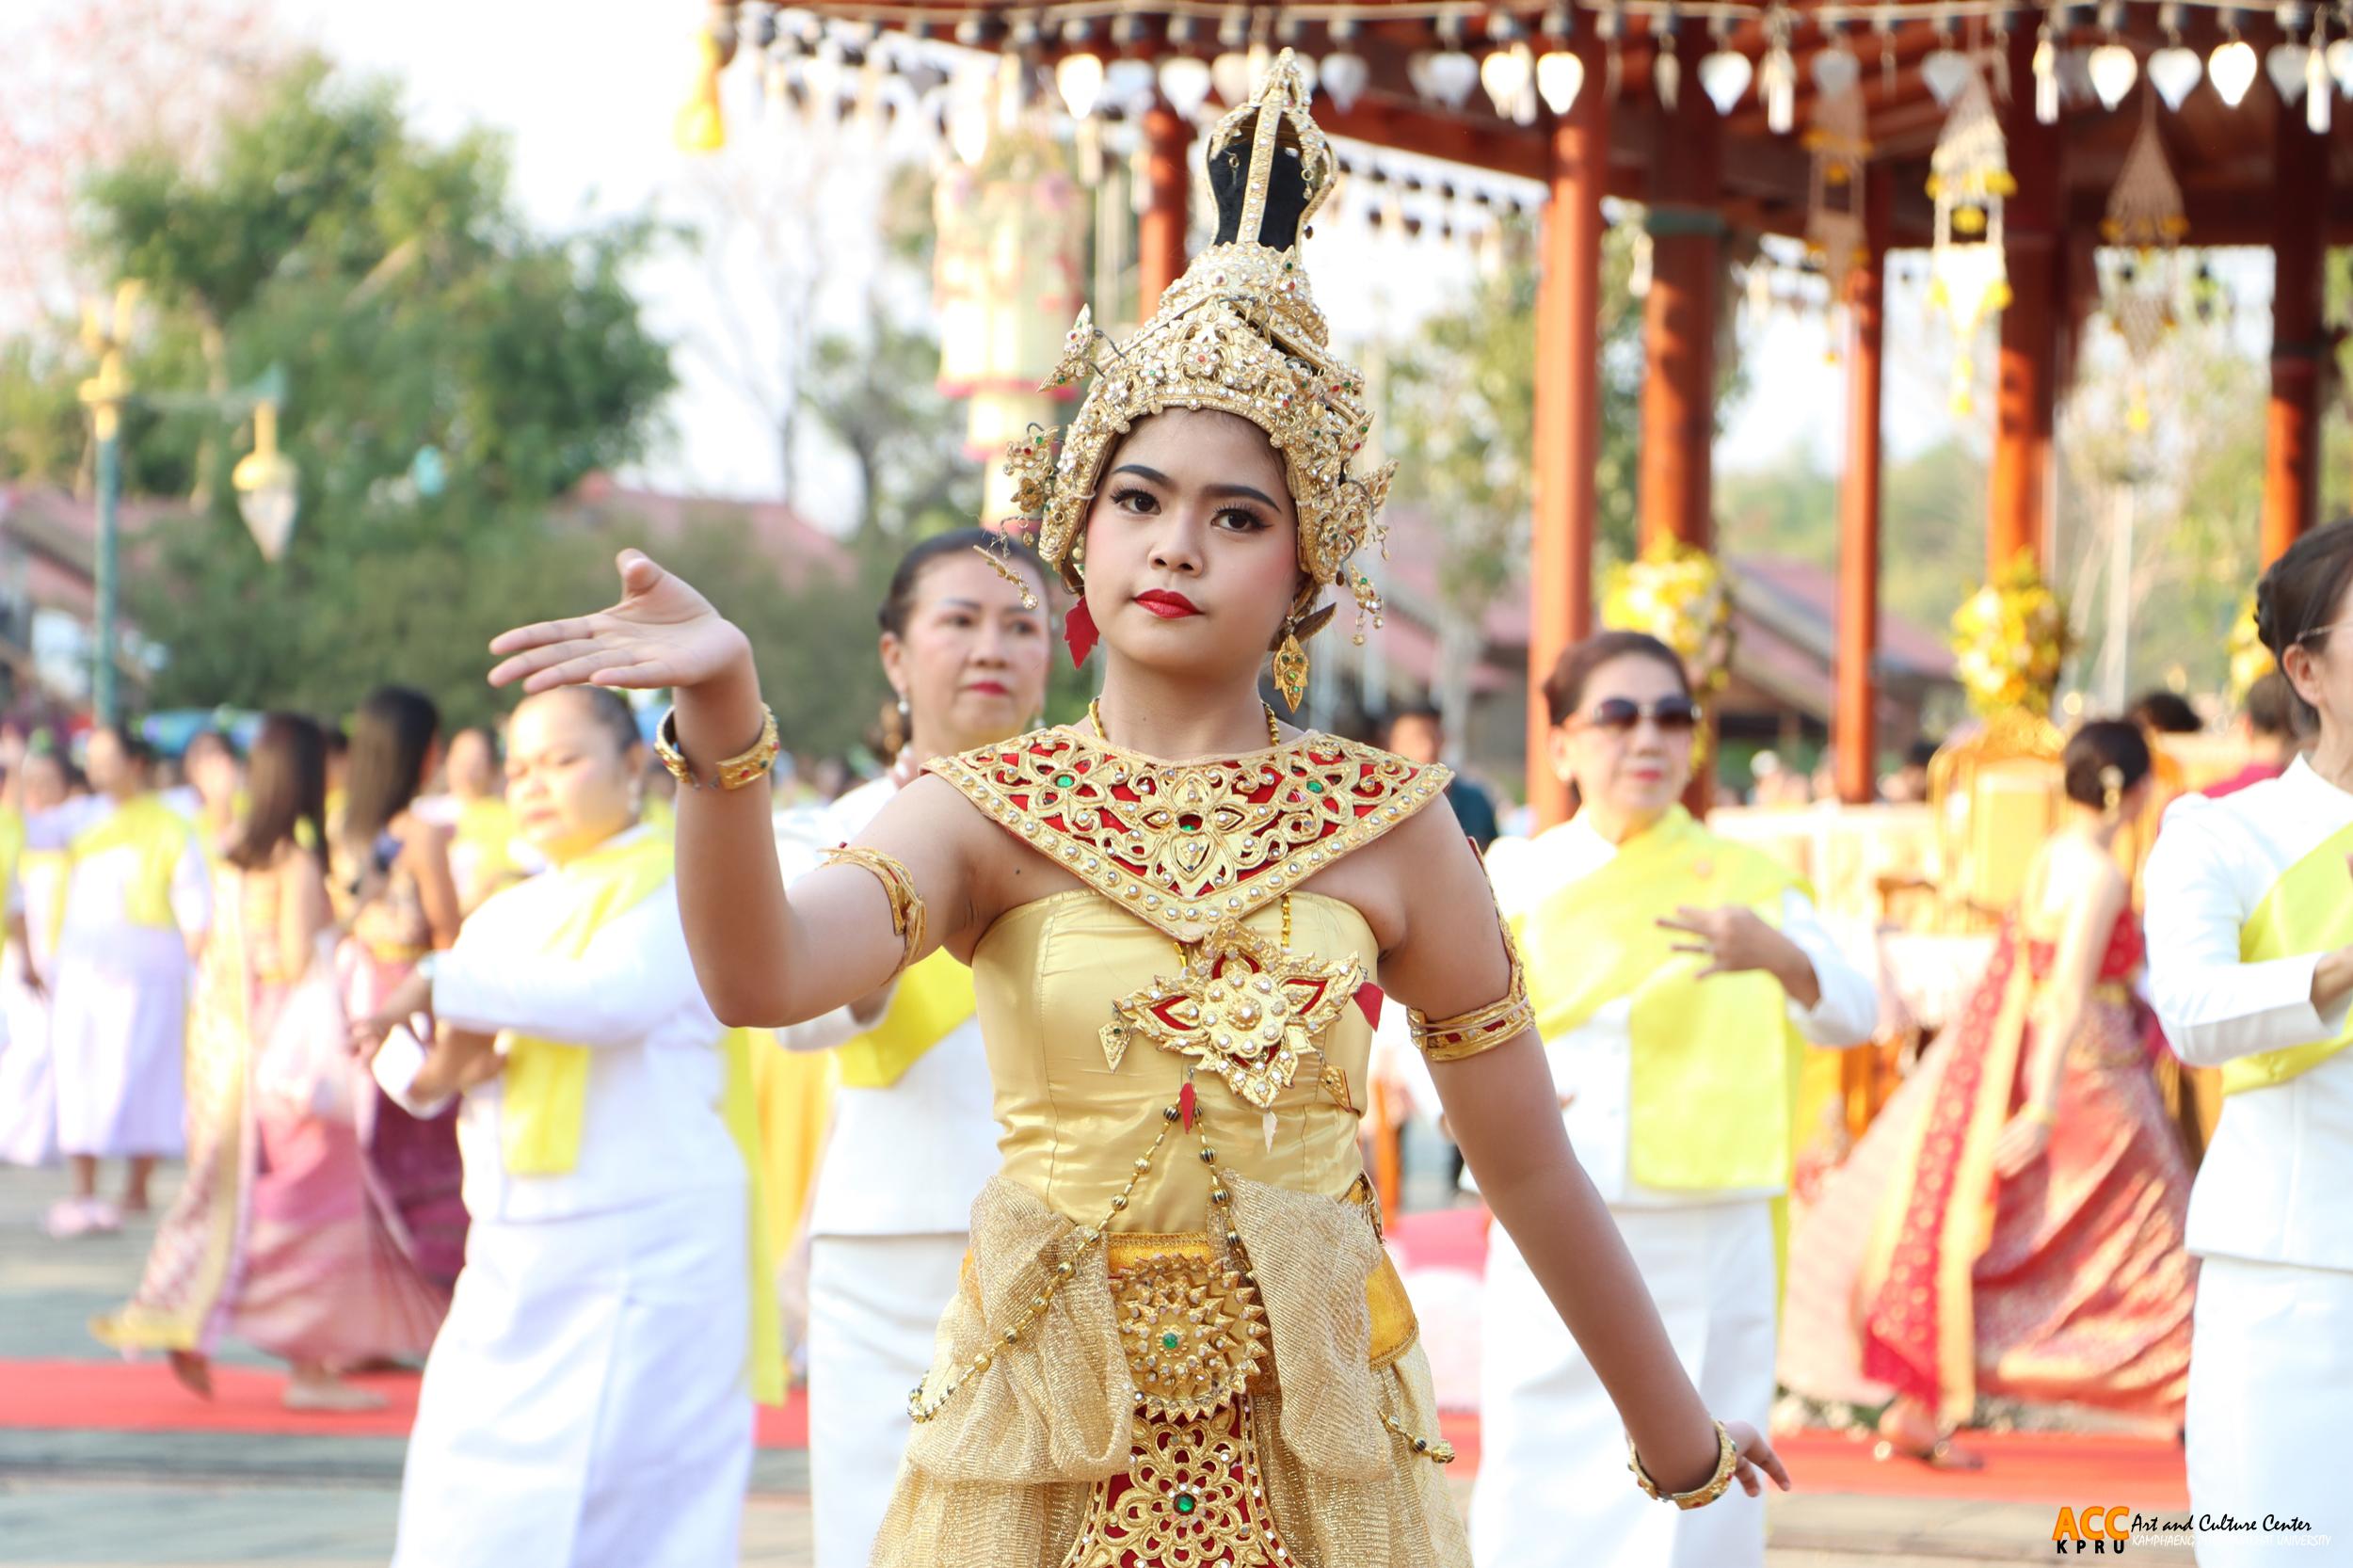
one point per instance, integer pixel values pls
(2299, 253)
(1568, 412)
(2018, 496)
(1679, 341)
(1854, 727)
(1160, 228)
(1679, 327)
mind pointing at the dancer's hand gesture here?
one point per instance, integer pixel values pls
(662, 633)
(1757, 1459)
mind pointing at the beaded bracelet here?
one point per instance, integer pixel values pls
(736, 771)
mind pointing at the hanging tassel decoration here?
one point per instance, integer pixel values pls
(1078, 629)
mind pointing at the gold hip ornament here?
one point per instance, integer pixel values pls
(1192, 1329)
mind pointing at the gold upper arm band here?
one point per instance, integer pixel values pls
(1481, 1028)
(906, 904)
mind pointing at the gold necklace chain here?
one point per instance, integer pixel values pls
(1094, 717)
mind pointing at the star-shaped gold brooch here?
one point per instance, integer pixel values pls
(1244, 1006)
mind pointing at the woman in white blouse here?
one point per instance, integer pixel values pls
(2250, 965)
(587, 1400)
(1674, 976)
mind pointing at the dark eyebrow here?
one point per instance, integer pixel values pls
(1216, 492)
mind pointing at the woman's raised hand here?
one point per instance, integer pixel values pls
(662, 633)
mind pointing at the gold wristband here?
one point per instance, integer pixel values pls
(736, 771)
(1727, 1466)
(906, 905)
(2041, 1116)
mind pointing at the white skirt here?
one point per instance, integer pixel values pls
(28, 1092)
(586, 1404)
(1553, 1488)
(117, 1036)
(875, 1305)
(2270, 1366)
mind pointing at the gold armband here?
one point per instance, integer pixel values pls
(906, 905)
(736, 771)
(1727, 1466)
(1482, 1029)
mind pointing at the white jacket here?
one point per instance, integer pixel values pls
(2273, 1187)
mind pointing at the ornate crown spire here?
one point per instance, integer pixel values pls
(1240, 331)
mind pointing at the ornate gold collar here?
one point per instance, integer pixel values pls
(1187, 845)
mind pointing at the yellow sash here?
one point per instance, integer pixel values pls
(933, 1000)
(1715, 1064)
(2305, 911)
(545, 1091)
(11, 843)
(158, 835)
(486, 827)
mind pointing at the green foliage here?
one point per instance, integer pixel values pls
(395, 283)
(874, 394)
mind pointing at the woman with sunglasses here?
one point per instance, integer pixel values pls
(2250, 968)
(1672, 974)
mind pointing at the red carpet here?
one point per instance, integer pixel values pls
(55, 1396)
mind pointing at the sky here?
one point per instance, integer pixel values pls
(587, 92)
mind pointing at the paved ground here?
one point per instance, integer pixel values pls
(118, 1499)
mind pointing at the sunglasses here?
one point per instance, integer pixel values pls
(1619, 714)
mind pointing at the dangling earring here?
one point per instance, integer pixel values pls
(1290, 667)
(902, 708)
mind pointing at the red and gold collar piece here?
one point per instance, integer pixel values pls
(1243, 1006)
(1190, 846)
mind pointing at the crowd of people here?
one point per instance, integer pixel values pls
(1023, 1085)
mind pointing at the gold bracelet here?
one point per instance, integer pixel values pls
(736, 771)
(906, 905)
(1482, 1029)
(1727, 1466)
(2041, 1116)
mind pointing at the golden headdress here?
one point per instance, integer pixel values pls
(1240, 331)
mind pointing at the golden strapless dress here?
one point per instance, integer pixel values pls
(1180, 1341)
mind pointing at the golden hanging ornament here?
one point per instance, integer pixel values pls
(1290, 669)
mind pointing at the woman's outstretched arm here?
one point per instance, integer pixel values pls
(764, 960)
(1504, 1112)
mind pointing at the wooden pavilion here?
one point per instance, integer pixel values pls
(2253, 173)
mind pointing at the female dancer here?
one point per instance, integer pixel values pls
(1675, 977)
(396, 902)
(2250, 965)
(912, 1141)
(586, 1402)
(277, 1237)
(2012, 1221)
(41, 781)
(137, 902)
(1173, 959)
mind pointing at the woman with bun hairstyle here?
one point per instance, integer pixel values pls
(2012, 1221)
(2250, 943)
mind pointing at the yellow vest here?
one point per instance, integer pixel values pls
(11, 843)
(545, 1093)
(158, 837)
(2306, 911)
(1714, 1062)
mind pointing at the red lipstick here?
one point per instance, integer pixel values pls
(1167, 605)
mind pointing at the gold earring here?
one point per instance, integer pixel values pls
(1291, 667)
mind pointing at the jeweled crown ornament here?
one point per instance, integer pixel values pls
(1240, 331)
